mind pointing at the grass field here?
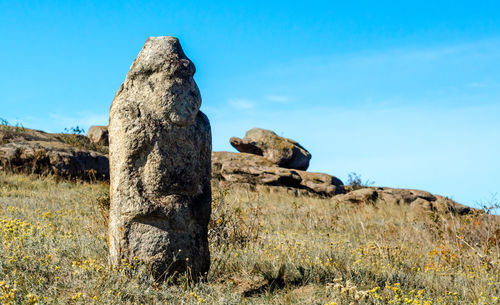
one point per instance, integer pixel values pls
(266, 247)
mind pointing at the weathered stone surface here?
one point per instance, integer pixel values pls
(160, 151)
(401, 196)
(281, 151)
(24, 150)
(321, 183)
(98, 135)
(252, 169)
(415, 198)
(444, 204)
(364, 195)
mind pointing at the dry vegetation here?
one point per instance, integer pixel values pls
(267, 248)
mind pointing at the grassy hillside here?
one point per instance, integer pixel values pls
(267, 248)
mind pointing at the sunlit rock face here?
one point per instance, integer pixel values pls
(279, 150)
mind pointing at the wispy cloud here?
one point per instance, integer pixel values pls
(278, 98)
(414, 55)
(84, 120)
(242, 103)
(483, 85)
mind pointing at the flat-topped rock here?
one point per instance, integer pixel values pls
(415, 198)
(252, 169)
(279, 150)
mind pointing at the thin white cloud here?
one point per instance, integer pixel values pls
(483, 84)
(84, 120)
(478, 85)
(278, 98)
(404, 56)
(242, 103)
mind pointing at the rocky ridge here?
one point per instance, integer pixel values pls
(32, 151)
(28, 151)
(415, 198)
(244, 168)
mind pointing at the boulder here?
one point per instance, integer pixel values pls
(98, 135)
(160, 151)
(24, 150)
(364, 195)
(280, 151)
(246, 168)
(321, 183)
(415, 198)
(402, 196)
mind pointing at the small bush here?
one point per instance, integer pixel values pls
(355, 181)
(75, 130)
(5, 125)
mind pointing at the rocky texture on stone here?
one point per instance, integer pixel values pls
(246, 168)
(160, 160)
(415, 198)
(98, 135)
(364, 195)
(278, 150)
(30, 151)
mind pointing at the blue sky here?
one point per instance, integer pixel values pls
(405, 93)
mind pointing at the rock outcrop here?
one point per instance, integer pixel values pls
(278, 150)
(364, 195)
(24, 150)
(252, 169)
(160, 151)
(415, 198)
(74, 156)
(98, 135)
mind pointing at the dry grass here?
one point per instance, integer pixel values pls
(267, 248)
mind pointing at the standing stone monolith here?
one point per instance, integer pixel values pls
(160, 159)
